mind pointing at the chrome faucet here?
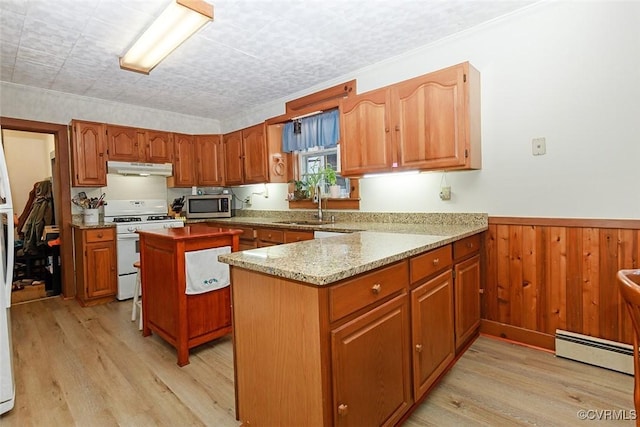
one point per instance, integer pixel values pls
(319, 195)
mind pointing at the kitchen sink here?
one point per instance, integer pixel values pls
(303, 222)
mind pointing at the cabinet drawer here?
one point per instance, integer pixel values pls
(270, 235)
(431, 262)
(248, 233)
(99, 235)
(466, 246)
(297, 236)
(366, 289)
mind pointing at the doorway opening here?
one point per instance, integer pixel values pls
(60, 189)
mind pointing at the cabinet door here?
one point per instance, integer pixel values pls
(365, 135)
(432, 331)
(123, 144)
(209, 160)
(100, 273)
(430, 115)
(158, 146)
(88, 154)
(232, 149)
(370, 359)
(254, 146)
(184, 171)
(467, 287)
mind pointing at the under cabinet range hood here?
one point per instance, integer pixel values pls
(142, 169)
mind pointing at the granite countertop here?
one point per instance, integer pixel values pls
(80, 225)
(367, 246)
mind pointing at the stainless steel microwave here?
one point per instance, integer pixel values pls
(208, 206)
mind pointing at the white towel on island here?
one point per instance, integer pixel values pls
(204, 272)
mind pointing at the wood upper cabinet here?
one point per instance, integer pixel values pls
(232, 151)
(254, 145)
(96, 263)
(428, 122)
(366, 137)
(209, 164)
(184, 170)
(245, 156)
(88, 154)
(370, 365)
(158, 146)
(123, 144)
(128, 144)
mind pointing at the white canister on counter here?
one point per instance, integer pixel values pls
(91, 216)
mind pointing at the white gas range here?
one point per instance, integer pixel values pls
(129, 217)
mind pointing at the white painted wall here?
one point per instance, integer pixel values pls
(28, 162)
(30, 103)
(566, 71)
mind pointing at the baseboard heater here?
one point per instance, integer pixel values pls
(595, 351)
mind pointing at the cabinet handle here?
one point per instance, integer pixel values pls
(469, 245)
(99, 235)
(386, 129)
(342, 410)
(419, 348)
(376, 288)
(436, 261)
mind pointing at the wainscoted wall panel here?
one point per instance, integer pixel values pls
(547, 274)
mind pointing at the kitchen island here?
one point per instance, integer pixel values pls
(184, 320)
(352, 329)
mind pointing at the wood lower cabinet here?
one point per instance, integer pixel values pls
(88, 154)
(432, 331)
(96, 265)
(466, 272)
(360, 352)
(428, 122)
(370, 362)
(467, 299)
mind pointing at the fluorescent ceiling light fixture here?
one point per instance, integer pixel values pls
(179, 21)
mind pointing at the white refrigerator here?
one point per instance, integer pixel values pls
(7, 380)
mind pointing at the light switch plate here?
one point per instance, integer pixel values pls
(539, 146)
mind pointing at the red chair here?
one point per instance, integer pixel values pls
(629, 283)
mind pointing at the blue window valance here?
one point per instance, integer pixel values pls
(321, 130)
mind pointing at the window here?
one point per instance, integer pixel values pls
(314, 161)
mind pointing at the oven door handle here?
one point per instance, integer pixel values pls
(127, 236)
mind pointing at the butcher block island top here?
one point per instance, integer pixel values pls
(184, 320)
(324, 261)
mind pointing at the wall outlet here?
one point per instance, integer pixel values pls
(445, 193)
(539, 146)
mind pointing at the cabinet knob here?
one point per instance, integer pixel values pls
(419, 348)
(99, 235)
(376, 288)
(386, 129)
(469, 245)
(343, 410)
(436, 261)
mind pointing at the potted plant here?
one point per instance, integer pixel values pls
(331, 179)
(300, 190)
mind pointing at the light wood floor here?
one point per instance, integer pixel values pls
(91, 367)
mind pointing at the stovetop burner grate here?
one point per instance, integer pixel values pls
(126, 219)
(158, 217)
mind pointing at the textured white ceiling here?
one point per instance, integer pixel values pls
(254, 52)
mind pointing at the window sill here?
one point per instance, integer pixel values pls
(335, 204)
